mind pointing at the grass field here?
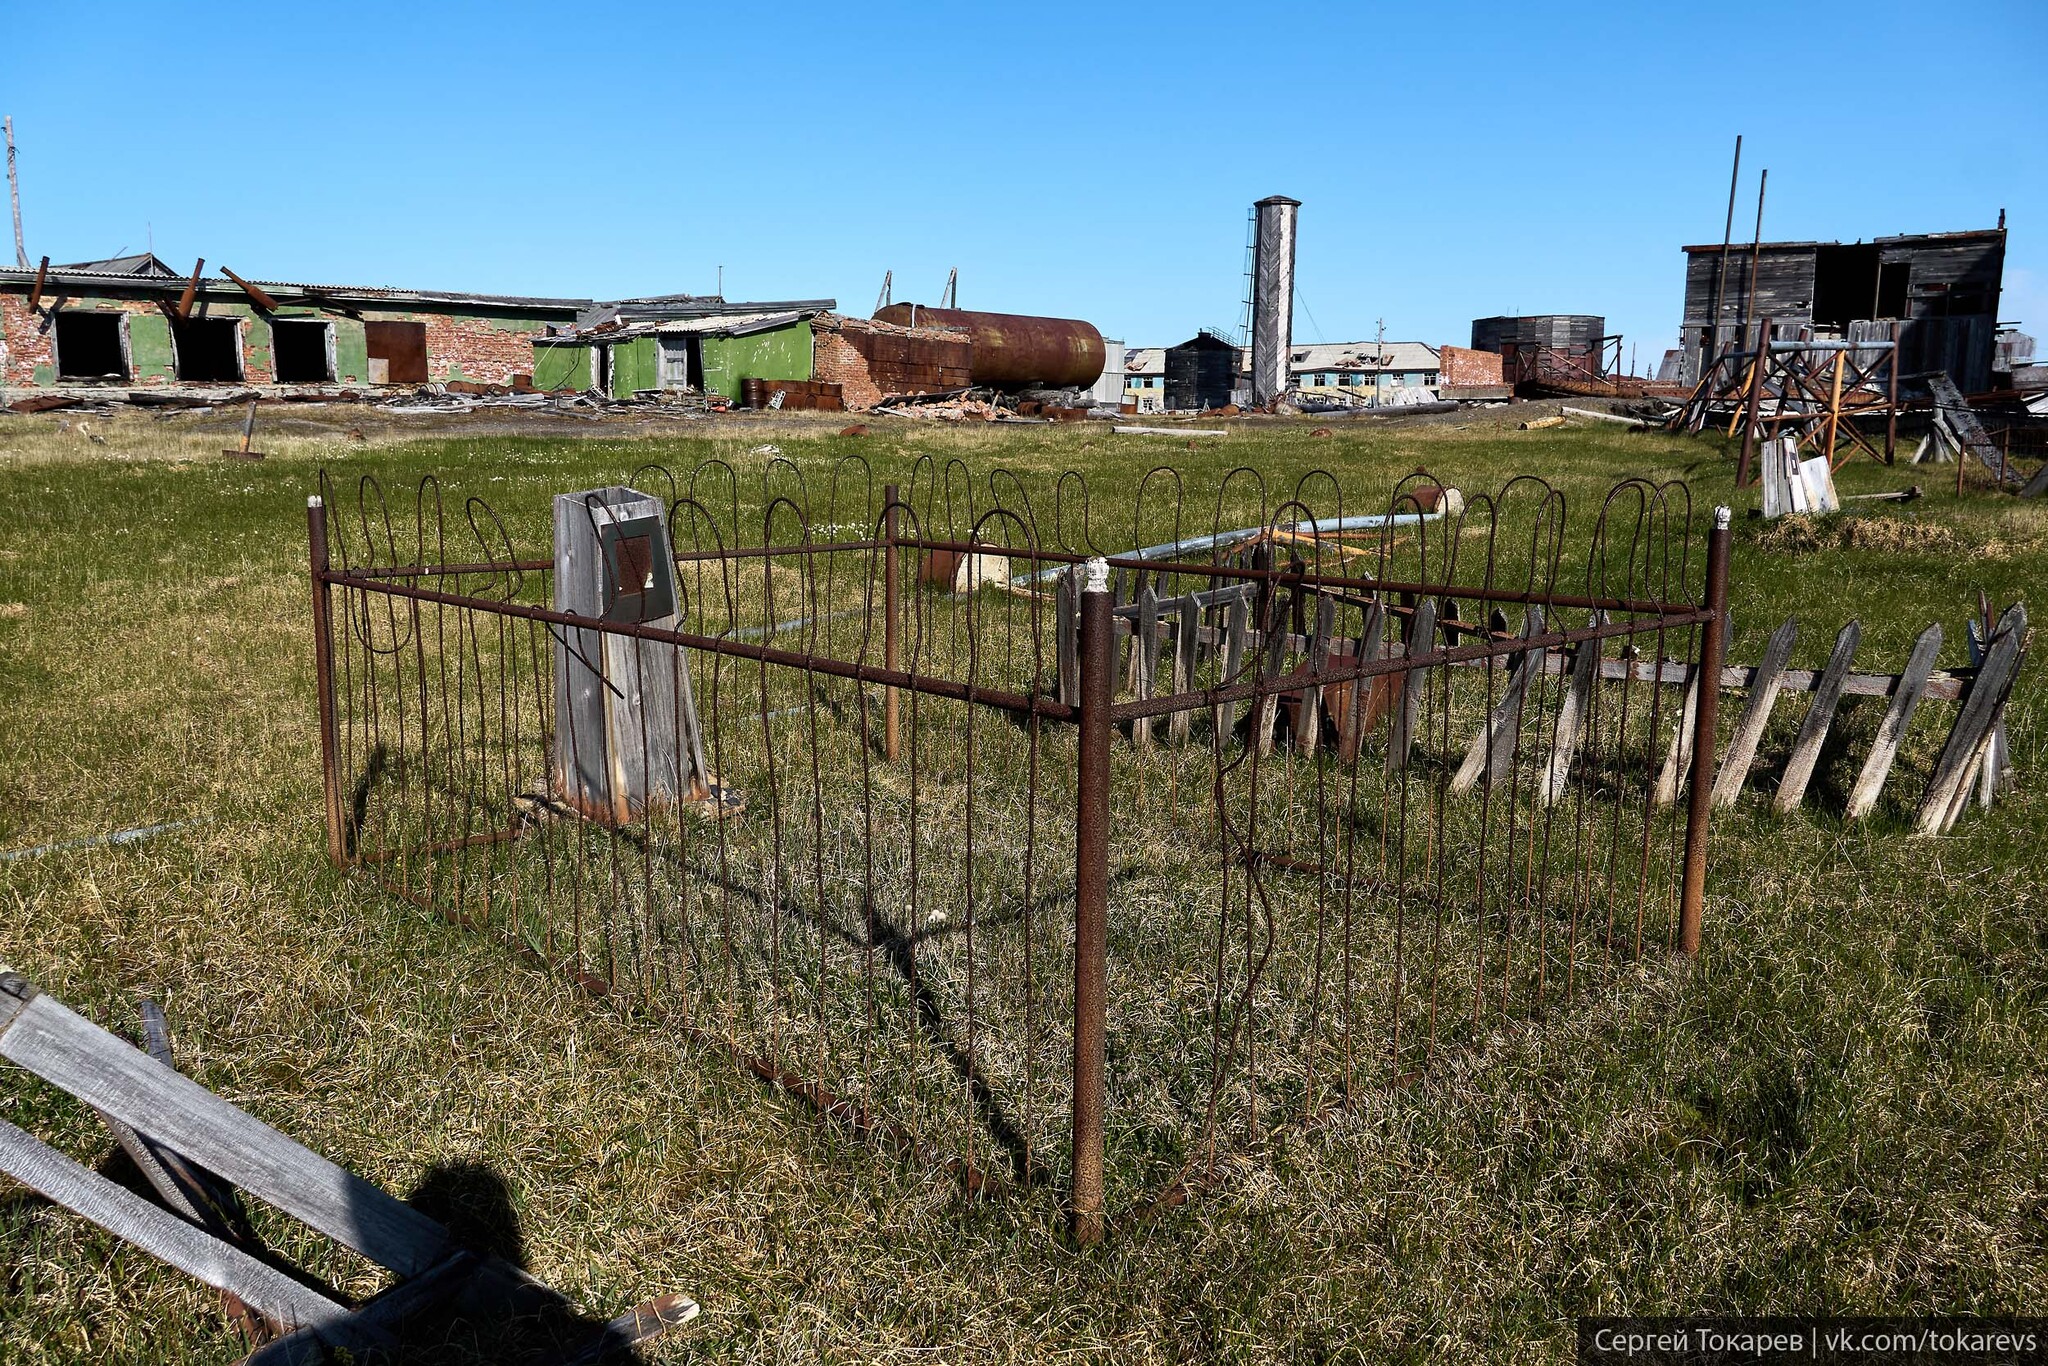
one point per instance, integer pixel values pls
(1840, 1108)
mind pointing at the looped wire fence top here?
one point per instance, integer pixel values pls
(1388, 769)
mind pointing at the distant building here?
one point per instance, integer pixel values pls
(1145, 378)
(1943, 288)
(1201, 372)
(1359, 368)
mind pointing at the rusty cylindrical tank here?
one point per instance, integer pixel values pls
(1012, 349)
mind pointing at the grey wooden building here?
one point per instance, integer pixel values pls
(1942, 287)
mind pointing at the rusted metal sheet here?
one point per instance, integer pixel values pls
(1014, 349)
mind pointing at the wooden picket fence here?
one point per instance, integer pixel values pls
(1162, 644)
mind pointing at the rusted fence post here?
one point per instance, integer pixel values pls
(323, 674)
(889, 610)
(1699, 807)
(1091, 898)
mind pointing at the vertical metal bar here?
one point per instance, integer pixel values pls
(1091, 900)
(890, 727)
(1721, 265)
(1692, 896)
(1756, 393)
(323, 673)
(1891, 416)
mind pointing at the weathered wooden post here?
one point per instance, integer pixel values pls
(890, 730)
(323, 675)
(1091, 899)
(1699, 808)
(626, 739)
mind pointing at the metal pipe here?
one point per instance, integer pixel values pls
(1721, 266)
(1699, 808)
(889, 614)
(323, 673)
(1756, 393)
(1091, 901)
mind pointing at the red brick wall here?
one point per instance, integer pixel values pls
(474, 349)
(27, 342)
(1458, 365)
(870, 360)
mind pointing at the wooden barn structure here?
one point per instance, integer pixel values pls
(1943, 288)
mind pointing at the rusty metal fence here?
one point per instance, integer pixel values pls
(1048, 851)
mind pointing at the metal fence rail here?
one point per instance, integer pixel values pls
(1047, 865)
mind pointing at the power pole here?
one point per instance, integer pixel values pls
(14, 197)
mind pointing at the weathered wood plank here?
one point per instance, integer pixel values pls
(1068, 600)
(1145, 661)
(1421, 630)
(1678, 757)
(1571, 719)
(1308, 713)
(1820, 715)
(1266, 708)
(1892, 730)
(1370, 645)
(76, 1055)
(1190, 617)
(1756, 714)
(1492, 753)
(160, 1233)
(1236, 629)
(1971, 734)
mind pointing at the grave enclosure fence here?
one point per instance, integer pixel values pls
(1042, 865)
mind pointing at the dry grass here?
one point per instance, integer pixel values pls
(1841, 1109)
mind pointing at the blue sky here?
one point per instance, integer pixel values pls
(1083, 160)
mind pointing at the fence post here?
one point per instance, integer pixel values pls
(1699, 808)
(323, 674)
(889, 612)
(1091, 898)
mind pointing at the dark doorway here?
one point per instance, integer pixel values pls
(208, 350)
(1845, 284)
(89, 346)
(1891, 289)
(298, 350)
(397, 352)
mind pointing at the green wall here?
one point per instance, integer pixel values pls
(149, 346)
(634, 366)
(561, 367)
(784, 353)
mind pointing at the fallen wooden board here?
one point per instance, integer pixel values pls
(1756, 714)
(1171, 431)
(1820, 714)
(1892, 730)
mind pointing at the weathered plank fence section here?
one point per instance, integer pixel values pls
(195, 1149)
(1040, 860)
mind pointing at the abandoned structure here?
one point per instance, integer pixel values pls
(1274, 219)
(1356, 367)
(134, 321)
(1201, 372)
(677, 342)
(1943, 288)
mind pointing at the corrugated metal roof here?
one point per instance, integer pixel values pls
(1896, 239)
(1145, 360)
(144, 264)
(727, 325)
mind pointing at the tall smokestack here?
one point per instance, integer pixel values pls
(1272, 296)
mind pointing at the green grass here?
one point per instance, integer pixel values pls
(1839, 1108)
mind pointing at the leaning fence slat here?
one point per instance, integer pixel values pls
(1069, 608)
(1756, 714)
(1571, 720)
(160, 1233)
(1974, 722)
(1421, 636)
(1310, 729)
(1892, 730)
(1184, 637)
(1235, 629)
(1362, 691)
(1273, 645)
(1145, 661)
(69, 1051)
(1820, 714)
(1492, 752)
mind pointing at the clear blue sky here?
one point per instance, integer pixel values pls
(1089, 160)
